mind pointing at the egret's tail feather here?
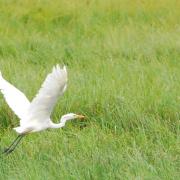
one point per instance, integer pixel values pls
(19, 130)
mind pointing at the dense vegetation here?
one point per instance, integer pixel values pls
(123, 60)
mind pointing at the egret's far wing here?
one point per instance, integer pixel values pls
(16, 100)
(54, 85)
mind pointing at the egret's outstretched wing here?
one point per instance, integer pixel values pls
(53, 86)
(16, 100)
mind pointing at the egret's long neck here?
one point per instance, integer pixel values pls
(61, 124)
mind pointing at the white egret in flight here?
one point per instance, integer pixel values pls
(35, 116)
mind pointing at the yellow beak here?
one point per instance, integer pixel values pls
(80, 116)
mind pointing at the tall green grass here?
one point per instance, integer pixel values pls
(123, 63)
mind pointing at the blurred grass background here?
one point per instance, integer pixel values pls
(123, 60)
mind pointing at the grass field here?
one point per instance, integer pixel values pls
(123, 60)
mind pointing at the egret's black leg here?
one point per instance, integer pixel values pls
(14, 143)
(13, 147)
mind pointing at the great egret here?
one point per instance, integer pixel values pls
(35, 116)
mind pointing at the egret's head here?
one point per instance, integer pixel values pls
(71, 116)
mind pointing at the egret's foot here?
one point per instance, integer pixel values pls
(6, 150)
(9, 151)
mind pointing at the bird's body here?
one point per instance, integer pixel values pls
(32, 127)
(35, 116)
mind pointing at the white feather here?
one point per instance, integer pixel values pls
(42, 105)
(16, 100)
